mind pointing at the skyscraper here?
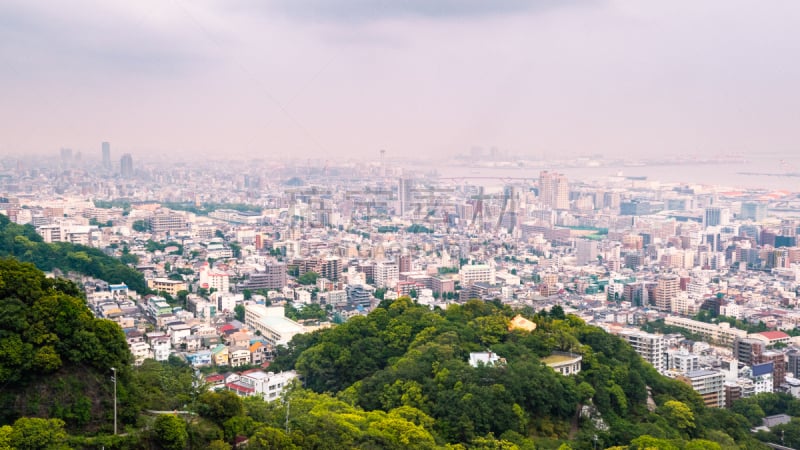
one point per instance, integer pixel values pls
(755, 211)
(404, 196)
(716, 216)
(553, 190)
(126, 165)
(106, 155)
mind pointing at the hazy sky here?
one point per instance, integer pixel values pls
(330, 78)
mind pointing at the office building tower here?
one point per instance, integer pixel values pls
(404, 196)
(126, 165)
(66, 155)
(755, 211)
(715, 216)
(553, 190)
(585, 252)
(106, 148)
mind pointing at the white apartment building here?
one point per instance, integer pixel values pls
(271, 322)
(478, 273)
(651, 347)
(214, 279)
(386, 274)
(709, 384)
(268, 385)
(161, 348)
(681, 361)
(140, 352)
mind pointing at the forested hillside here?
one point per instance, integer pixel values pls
(55, 356)
(404, 355)
(24, 243)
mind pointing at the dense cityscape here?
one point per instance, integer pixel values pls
(239, 257)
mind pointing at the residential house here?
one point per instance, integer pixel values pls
(220, 355)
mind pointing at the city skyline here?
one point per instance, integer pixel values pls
(345, 79)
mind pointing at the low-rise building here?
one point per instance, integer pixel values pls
(271, 323)
(564, 363)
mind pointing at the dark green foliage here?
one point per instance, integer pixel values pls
(141, 226)
(239, 312)
(36, 434)
(404, 355)
(23, 243)
(47, 333)
(312, 311)
(206, 208)
(219, 406)
(417, 228)
(308, 278)
(170, 432)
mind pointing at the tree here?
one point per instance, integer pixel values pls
(308, 278)
(170, 432)
(557, 312)
(183, 295)
(239, 312)
(219, 406)
(680, 415)
(34, 433)
(219, 445)
(5, 437)
(140, 226)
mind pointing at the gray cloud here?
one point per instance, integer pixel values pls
(92, 37)
(367, 10)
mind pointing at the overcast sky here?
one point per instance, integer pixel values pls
(346, 78)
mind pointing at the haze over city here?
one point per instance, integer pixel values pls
(419, 79)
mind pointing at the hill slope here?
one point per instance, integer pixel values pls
(55, 356)
(23, 243)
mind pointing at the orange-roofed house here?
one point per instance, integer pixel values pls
(521, 323)
(771, 338)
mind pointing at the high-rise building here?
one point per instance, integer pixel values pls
(126, 165)
(404, 196)
(755, 211)
(404, 263)
(715, 216)
(709, 384)
(553, 190)
(66, 155)
(585, 252)
(330, 268)
(651, 347)
(106, 149)
(749, 351)
(386, 274)
(666, 290)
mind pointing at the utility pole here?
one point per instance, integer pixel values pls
(288, 403)
(114, 379)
